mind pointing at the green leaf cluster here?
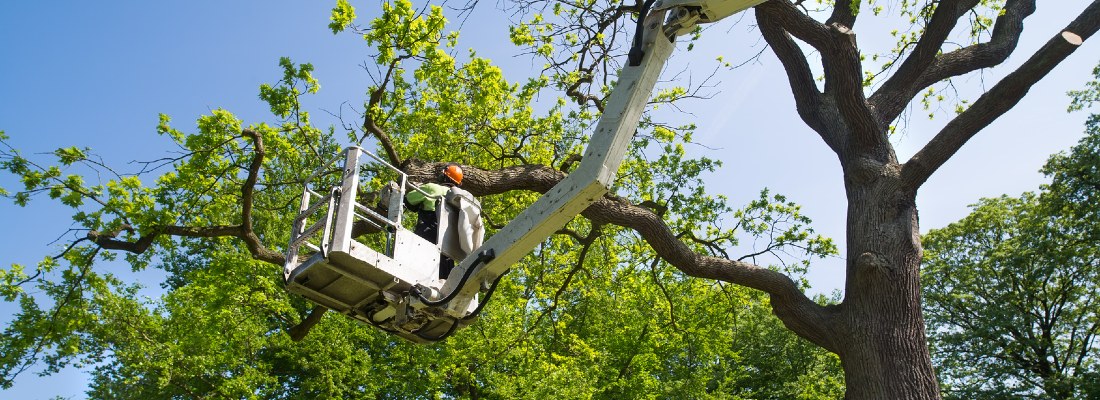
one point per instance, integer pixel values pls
(343, 15)
(1081, 99)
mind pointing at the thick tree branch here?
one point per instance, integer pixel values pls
(807, 97)
(299, 332)
(802, 26)
(843, 13)
(481, 182)
(1005, 37)
(108, 241)
(844, 82)
(797, 311)
(1002, 97)
(249, 185)
(843, 75)
(924, 67)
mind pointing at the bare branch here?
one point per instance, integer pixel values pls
(109, 241)
(370, 125)
(664, 291)
(44, 340)
(807, 97)
(1002, 97)
(586, 244)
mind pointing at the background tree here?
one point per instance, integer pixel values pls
(1011, 303)
(1012, 289)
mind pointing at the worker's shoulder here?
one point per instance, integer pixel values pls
(434, 189)
(427, 190)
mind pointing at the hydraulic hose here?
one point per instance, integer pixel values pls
(488, 295)
(450, 331)
(634, 57)
(484, 257)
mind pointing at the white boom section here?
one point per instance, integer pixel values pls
(708, 11)
(587, 184)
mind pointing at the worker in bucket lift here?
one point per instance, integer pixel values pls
(424, 202)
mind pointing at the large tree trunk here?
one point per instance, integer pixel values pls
(883, 350)
(878, 331)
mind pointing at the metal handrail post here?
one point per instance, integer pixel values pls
(345, 208)
(295, 231)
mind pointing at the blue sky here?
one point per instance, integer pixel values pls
(96, 74)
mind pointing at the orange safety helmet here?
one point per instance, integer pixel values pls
(454, 172)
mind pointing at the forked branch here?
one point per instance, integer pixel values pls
(807, 97)
(372, 126)
(843, 73)
(1002, 97)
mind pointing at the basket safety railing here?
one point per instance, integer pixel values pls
(325, 222)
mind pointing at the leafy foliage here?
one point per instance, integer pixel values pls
(1088, 96)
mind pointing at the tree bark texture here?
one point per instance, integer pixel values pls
(884, 351)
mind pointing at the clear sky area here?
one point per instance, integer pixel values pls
(97, 74)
